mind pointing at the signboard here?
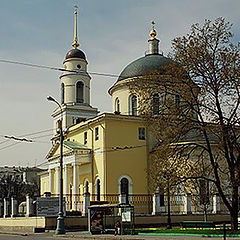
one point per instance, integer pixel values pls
(126, 215)
(49, 206)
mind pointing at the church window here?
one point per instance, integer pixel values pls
(117, 106)
(96, 133)
(133, 105)
(79, 66)
(62, 93)
(161, 200)
(80, 87)
(141, 134)
(98, 189)
(86, 187)
(156, 103)
(85, 137)
(124, 188)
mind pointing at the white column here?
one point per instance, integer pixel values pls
(57, 180)
(156, 204)
(51, 182)
(29, 206)
(187, 204)
(66, 179)
(216, 203)
(14, 206)
(75, 186)
(6, 207)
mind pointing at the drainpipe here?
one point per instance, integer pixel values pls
(148, 179)
(104, 158)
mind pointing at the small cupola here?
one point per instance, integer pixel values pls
(153, 41)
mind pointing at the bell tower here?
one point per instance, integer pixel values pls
(75, 86)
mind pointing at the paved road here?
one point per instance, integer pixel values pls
(73, 236)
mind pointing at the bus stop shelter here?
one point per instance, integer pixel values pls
(102, 218)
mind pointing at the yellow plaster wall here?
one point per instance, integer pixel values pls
(131, 162)
(108, 165)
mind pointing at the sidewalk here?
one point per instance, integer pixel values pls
(80, 235)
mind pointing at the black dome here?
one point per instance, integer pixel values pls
(75, 53)
(145, 65)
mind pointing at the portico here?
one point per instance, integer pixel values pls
(75, 155)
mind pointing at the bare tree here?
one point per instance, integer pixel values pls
(193, 107)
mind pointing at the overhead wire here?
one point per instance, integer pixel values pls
(56, 68)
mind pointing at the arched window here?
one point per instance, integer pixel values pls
(156, 103)
(125, 185)
(80, 87)
(124, 188)
(86, 190)
(98, 189)
(117, 105)
(62, 93)
(133, 105)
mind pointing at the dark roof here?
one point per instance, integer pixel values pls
(152, 63)
(75, 53)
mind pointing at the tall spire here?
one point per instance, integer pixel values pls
(153, 41)
(75, 43)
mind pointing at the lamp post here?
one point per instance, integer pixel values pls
(60, 220)
(169, 224)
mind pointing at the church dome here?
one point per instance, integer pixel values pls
(75, 53)
(151, 63)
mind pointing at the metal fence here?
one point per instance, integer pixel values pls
(144, 203)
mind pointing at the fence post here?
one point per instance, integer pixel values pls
(86, 203)
(14, 206)
(29, 206)
(123, 198)
(188, 203)
(216, 204)
(6, 207)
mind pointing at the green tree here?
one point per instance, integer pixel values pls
(198, 113)
(12, 186)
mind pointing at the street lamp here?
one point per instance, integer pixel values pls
(169, 222)
(60, 220)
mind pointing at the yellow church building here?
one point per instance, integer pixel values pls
(105, 154)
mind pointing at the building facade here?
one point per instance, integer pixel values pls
(105, 154)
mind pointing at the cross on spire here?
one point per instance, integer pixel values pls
(153, 32)
(75, 43)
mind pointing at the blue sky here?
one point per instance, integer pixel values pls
(111, 33)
